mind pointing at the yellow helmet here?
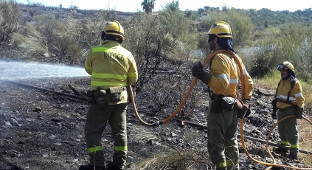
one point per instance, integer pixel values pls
(221, 29)
(286, 65)
(114, 28)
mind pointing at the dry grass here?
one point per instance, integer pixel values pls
(268, 82)
(305, 140)
(182, 160)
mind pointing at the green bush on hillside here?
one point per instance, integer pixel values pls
(49, 39)
(154, 39)
(292, 43)
(9, 18)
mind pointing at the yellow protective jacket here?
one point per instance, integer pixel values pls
(225, 76)
(111, 65)
(296, 96)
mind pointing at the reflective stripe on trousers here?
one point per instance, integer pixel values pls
(222, 141)
(287, 129)
(97, 118)
(95, 149)
(120, 148)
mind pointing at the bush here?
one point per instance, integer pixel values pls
(292, 43)
(303, 64)
(157, 39)
(67, 41)
(9, 18)
(48, 39)
(261, 63)
(160, 46)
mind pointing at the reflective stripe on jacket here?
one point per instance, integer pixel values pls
(226, 75)
(296, 96)
(111, 65)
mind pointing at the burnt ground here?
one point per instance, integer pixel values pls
(43, 130)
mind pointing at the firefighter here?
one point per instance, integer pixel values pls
(223, 79)
(112, 68)
(288, 101)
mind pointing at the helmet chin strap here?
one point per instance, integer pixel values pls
(286, 78)
(103, 35)
(290, 74)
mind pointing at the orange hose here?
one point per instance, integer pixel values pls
(130, 92)
(208, 60)
(266, 163)
(275, 124)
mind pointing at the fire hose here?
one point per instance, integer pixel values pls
(267, 148)
(175, 112)
(268, 137)
(207, 61)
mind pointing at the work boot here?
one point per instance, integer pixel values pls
(282, 150)
(293, 155)
(91, 167)
(110, 166)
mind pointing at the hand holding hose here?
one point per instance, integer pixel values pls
(274, 101)
(198, 71)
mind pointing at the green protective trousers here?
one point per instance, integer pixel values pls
(222, 139)
(287, 129)
(97, 118)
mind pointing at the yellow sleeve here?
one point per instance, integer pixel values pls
(298, 95)
(133, 72)
(219, 72)
(248, 83)
(88, 64)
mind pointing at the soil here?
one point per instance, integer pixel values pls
(43, 130)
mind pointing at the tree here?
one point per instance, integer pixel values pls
(173, 6)
(266, 24)
(148, 5)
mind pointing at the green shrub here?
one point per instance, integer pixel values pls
(291, 43)
(33, 46)
(261, 63)
(156, 39)
(9, 18)
(53, 40)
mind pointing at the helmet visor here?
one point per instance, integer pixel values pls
(281, 67)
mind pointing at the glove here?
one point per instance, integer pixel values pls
(274, 101)
(299, 113)
(274, 116)
(197, 68)
(242, 112)
(197, 71)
